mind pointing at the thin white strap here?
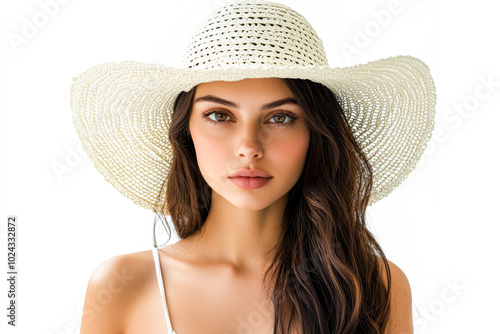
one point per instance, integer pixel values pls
(162, 289)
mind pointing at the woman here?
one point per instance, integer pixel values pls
(270, 162)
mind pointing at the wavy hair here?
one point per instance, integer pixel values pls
(327, 272)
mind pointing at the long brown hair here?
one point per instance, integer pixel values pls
(326, 273)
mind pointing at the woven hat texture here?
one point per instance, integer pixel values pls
(122, 110)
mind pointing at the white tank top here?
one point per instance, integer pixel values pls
(162, 289)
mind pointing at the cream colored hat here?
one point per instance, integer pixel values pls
(122, 111)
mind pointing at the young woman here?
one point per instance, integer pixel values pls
(265, 160)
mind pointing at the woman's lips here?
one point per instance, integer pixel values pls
(250, 182)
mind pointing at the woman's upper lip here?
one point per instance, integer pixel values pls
(249, 173)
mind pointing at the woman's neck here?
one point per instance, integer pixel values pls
(242, 239)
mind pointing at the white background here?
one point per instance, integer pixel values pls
(440, 226)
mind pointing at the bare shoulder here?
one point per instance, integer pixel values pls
(401, 319)
(398, 277)
(112, 288)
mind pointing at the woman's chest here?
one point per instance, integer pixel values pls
(208, 302)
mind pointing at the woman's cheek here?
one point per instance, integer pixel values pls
(295, 147)
(208, 147)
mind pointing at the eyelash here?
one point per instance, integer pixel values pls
(217, 111)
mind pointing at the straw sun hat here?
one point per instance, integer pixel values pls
(122, 110)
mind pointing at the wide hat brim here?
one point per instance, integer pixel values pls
(122, 112)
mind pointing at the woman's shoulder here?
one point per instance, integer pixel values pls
(126, 268)
(396, 273)
(113, 286)
(401, 318)
(131, 270)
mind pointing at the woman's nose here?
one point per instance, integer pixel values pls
(249, 153)
(251, 142)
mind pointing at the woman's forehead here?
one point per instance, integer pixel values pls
(254, 86)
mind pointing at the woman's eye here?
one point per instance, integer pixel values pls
(279, 119)
(220, 117)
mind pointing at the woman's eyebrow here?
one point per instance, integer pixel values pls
(215, 99)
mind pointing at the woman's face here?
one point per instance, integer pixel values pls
(232, 129)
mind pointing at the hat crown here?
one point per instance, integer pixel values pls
(254, 33)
